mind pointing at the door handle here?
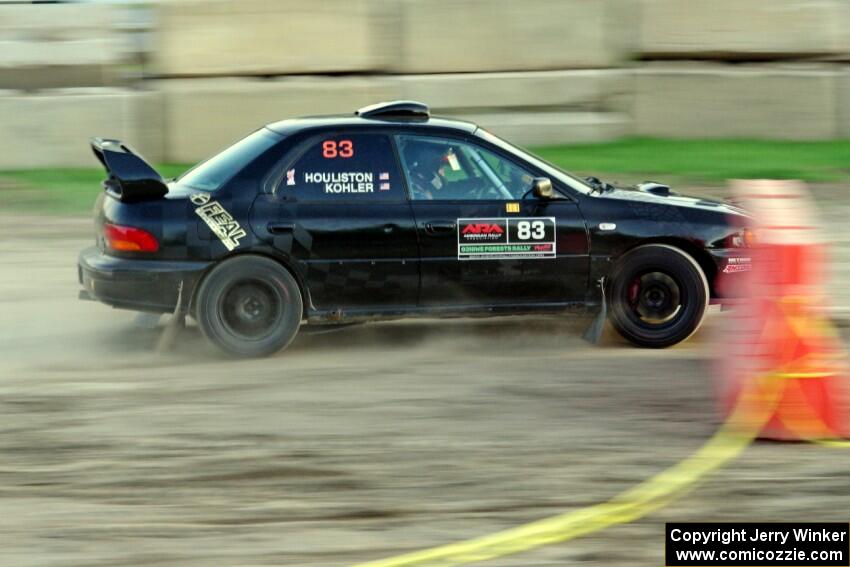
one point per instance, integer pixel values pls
(440, 226)
(281, 227)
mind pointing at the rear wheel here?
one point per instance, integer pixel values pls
(249, 306)
(658, 296)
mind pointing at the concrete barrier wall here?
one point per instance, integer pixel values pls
(530, 129)
(507, 35)
(744, 29)
(58, 45)
(186, 120)
(752, 101)
(52, 128)
(536, 72)
(204, 115)
(272, 37)
(844, 103)
(198, 37)
(595, 89)
(533, 108)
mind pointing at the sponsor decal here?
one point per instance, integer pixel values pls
(494, 239)
(345, 182)
(331, 149)
(222, 223)
(477, 231)
(511, 207)
(737, 265)
(290, 177)
(200, 198)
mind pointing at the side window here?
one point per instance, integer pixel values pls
(445, 169)
(345, 167)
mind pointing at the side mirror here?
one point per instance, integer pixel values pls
(542, 188)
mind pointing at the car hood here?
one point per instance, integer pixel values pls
(639, 194)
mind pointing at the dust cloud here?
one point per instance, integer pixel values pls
(352, 445)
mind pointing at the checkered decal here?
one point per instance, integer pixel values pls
(298, 243)
(335, 279)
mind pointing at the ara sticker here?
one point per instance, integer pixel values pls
(506, 238)
(222, 223)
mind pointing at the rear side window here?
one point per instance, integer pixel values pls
(216, 171)
(345, 167)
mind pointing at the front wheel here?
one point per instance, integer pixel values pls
(249, 306)
(658, 296)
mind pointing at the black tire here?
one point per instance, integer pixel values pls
(658, 296)
(249, 306)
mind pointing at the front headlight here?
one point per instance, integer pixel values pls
(744, 238)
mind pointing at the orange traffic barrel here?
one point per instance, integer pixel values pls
(779, 338)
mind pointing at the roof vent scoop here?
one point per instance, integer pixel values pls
(396, 110)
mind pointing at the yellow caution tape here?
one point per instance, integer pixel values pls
(752, 412)
(834, 443)
(750, 415)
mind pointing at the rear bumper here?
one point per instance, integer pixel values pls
(141, 285)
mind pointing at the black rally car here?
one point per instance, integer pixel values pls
(391, 213)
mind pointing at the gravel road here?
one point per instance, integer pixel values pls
(352, 445)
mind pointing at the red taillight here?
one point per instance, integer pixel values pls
(129, 239)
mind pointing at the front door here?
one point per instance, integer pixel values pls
(483, 237)
(351, 223)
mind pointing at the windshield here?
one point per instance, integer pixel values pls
(214, 172)
(550, 168)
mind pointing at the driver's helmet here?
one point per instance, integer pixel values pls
(425, 158)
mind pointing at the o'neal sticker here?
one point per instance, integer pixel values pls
(495, 239)
(222, 223)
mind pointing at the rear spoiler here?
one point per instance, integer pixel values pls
(131, 179)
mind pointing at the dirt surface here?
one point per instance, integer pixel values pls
(353, 445)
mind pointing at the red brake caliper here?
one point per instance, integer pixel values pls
(634, 289)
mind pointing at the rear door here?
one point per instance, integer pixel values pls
(351, 223)
(484, 239)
